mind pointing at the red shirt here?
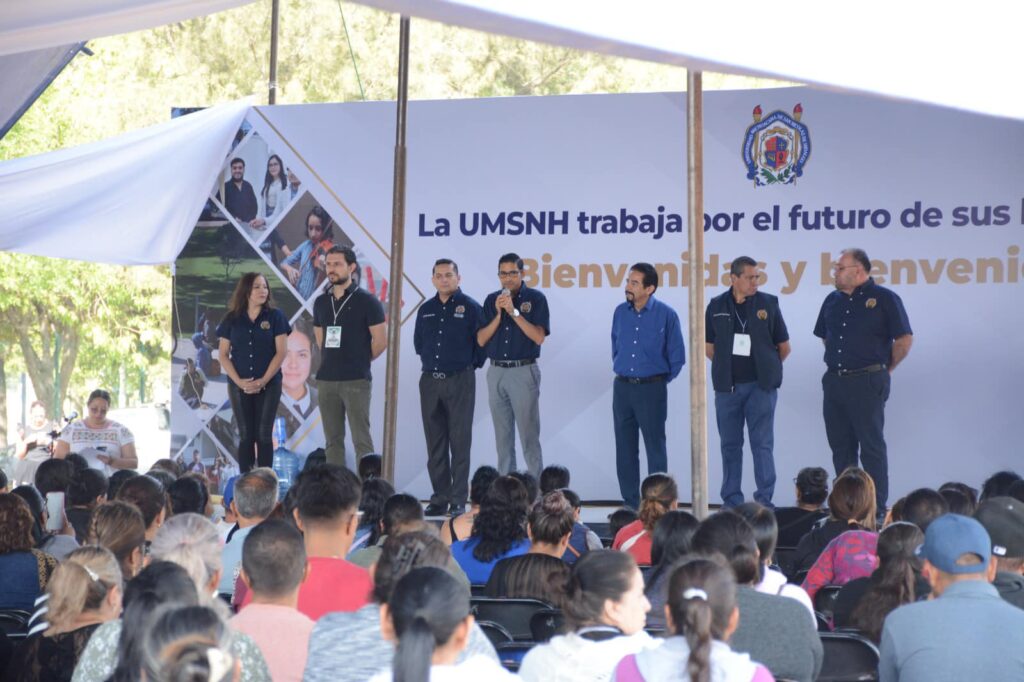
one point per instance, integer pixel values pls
(331, 585)
(636, 541)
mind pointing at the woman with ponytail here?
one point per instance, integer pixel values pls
(702, 615)
(659, 496)
(605, 609)
(189, 644)
(118, 526)
(428, 618)
(864, 603)
(84, 593)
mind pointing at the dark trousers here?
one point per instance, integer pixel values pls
(447, 408)
(755, 406)
(638, 409)
(854, 410)
(255, 416)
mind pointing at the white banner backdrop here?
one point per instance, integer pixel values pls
(933, 196)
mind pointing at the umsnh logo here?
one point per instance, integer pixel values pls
(776, 147)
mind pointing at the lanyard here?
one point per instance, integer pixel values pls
(343, 303)
(743, 323)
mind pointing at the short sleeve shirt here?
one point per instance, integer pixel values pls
(859, 327)
(445, 334)
(509, 342)
(253, 342)
(355, 312)
(89, 442)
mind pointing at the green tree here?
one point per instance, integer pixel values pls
(83, 321)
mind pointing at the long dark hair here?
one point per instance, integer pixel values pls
(672, 539)
(268, 179)
(376, 492)
(501, 521)
(658, 493)
(701, 600)
(600, 575)
(893, 584)
(239, 306)
(427, 606)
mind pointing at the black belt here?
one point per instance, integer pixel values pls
(513, 363)
(642, 380)
(445, 375)
(855, 372)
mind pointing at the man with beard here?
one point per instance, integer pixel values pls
(349, 326)
(239, 197)
(866, 333)
(647, 353)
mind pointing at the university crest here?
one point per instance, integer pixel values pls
(776, 147)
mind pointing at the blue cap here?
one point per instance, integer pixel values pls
(951, 536)
(229, 491)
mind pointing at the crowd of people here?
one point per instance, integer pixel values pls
(143, 576)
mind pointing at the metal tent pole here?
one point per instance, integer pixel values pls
(274, 22)
(695, 234)
(397, 259)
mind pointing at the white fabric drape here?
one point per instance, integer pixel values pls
(33, 24)
(950, 54)
(132, 200)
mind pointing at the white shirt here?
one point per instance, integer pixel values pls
(571, 658)
(473, 669)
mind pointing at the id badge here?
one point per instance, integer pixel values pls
(333, 338)
(741, 344)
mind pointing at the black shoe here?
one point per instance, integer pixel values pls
(456, 510)
(434, 509)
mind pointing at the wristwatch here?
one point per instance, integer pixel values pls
(515, 313)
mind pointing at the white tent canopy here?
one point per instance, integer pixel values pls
(26, 26)
(132, 200)
(950, 54)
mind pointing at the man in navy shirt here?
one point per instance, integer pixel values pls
(647, 353)
(445, 340)
(866, 334)
(746, 340)
(517, 323)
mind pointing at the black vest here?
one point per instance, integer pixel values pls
(762, 319)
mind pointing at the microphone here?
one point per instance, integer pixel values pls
(505, 292)
(71, 417)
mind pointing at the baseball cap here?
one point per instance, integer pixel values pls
(1003, 518)
(229, 491)
(949, 537)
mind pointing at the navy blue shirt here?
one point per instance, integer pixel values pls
(253, 343)
(445, 334)
(859, 328)
(509, 342)
(648, 341)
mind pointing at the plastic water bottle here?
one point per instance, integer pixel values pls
(286, 463)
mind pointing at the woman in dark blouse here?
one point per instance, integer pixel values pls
(253, 344)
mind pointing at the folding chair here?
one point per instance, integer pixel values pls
(849, 657)
(545, 624)
(513, 614)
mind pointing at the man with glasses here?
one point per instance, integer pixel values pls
(746, 340)
(866, 333)
(445, 340)
(517, 325)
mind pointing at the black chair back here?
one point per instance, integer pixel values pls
(512, 614)
(546, 623)
(14, 623)
(849, 657)
(825, 599)
(511, 654)
(478, 590)
(495, 632)
(784, 560)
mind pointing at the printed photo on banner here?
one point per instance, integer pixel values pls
(207, 271)
(255, 190)
(308, 232)
(203, 456)
(298, 371)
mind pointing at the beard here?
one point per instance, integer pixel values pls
(338, 280)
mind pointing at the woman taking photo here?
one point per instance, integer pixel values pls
(34, 442)
(253, 344)
(104, 443)
(606, 608)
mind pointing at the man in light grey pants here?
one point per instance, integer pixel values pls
(517, 324)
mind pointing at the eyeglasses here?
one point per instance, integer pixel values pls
(508, 273)
(840, 268)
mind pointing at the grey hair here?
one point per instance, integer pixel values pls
(256, 493)
(192, 542)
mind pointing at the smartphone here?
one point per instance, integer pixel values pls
(55, 510)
